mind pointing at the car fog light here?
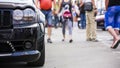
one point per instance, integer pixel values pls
(28, 45)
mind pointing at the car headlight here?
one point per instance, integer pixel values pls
(29, 14)
(17, 14)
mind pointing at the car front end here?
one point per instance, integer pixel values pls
(21, 31)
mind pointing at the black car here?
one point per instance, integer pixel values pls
(21, 32)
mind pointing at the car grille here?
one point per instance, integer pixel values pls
(5, 19)
(13, 47)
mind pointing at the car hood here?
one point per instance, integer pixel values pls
(14, 3)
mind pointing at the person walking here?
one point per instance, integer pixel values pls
(112, 20)
(66, 5)
(82, 16)
(90, 22)
(46, 7)
(75, 13)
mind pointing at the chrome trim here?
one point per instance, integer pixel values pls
(30, 26)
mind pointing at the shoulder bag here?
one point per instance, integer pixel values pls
(88, 6)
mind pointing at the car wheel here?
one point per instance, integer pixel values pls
(41, 60)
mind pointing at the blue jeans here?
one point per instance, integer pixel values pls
(83, 20)
(112, 17)
(48, 16)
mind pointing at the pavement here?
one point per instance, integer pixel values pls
(81, 53)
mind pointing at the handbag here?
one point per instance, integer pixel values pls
(88, 6)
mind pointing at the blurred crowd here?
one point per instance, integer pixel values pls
(67, 14)
(56, 18)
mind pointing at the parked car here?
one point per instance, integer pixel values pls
(21, 32)
(100, 20)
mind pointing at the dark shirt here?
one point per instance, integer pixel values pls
(82, 9)
(67, 3)
(114, 3)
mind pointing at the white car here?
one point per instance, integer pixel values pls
(100, 21)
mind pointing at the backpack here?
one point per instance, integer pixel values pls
(66, 13)
(88, 6)
(45, 4)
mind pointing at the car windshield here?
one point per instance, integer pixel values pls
(16, 1)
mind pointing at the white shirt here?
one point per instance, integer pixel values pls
(86, 0)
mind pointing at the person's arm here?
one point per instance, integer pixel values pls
(59, 6)
(81, 3)
(37, 3)
(106, 4)
(94, 6)
(54, 4)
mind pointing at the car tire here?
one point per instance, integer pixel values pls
(41, 59)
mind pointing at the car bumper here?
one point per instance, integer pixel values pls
(26, 56)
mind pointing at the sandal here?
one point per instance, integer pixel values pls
(70, 41)
(63, 40)
(116, 44)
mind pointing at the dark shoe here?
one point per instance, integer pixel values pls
(49, 41)
(116, 44)
(95, 40)
(89, 39)
(70, 41)
(63, 40)
(56, 27)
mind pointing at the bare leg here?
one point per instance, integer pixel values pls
(49, 32)
(49, 35)
(114, 33)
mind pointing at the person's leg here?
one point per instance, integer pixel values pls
(79, 23)
(88, 27)
(116, 26)
(82, 23)
(49, 32)
(93, 27)
(117, 32)
(84, 20)
(56, 21)
(112, 25)
(70, 30)
(63, 29)
(49, 21)
(115, 36)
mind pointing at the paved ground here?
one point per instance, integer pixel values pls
(80, 53)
